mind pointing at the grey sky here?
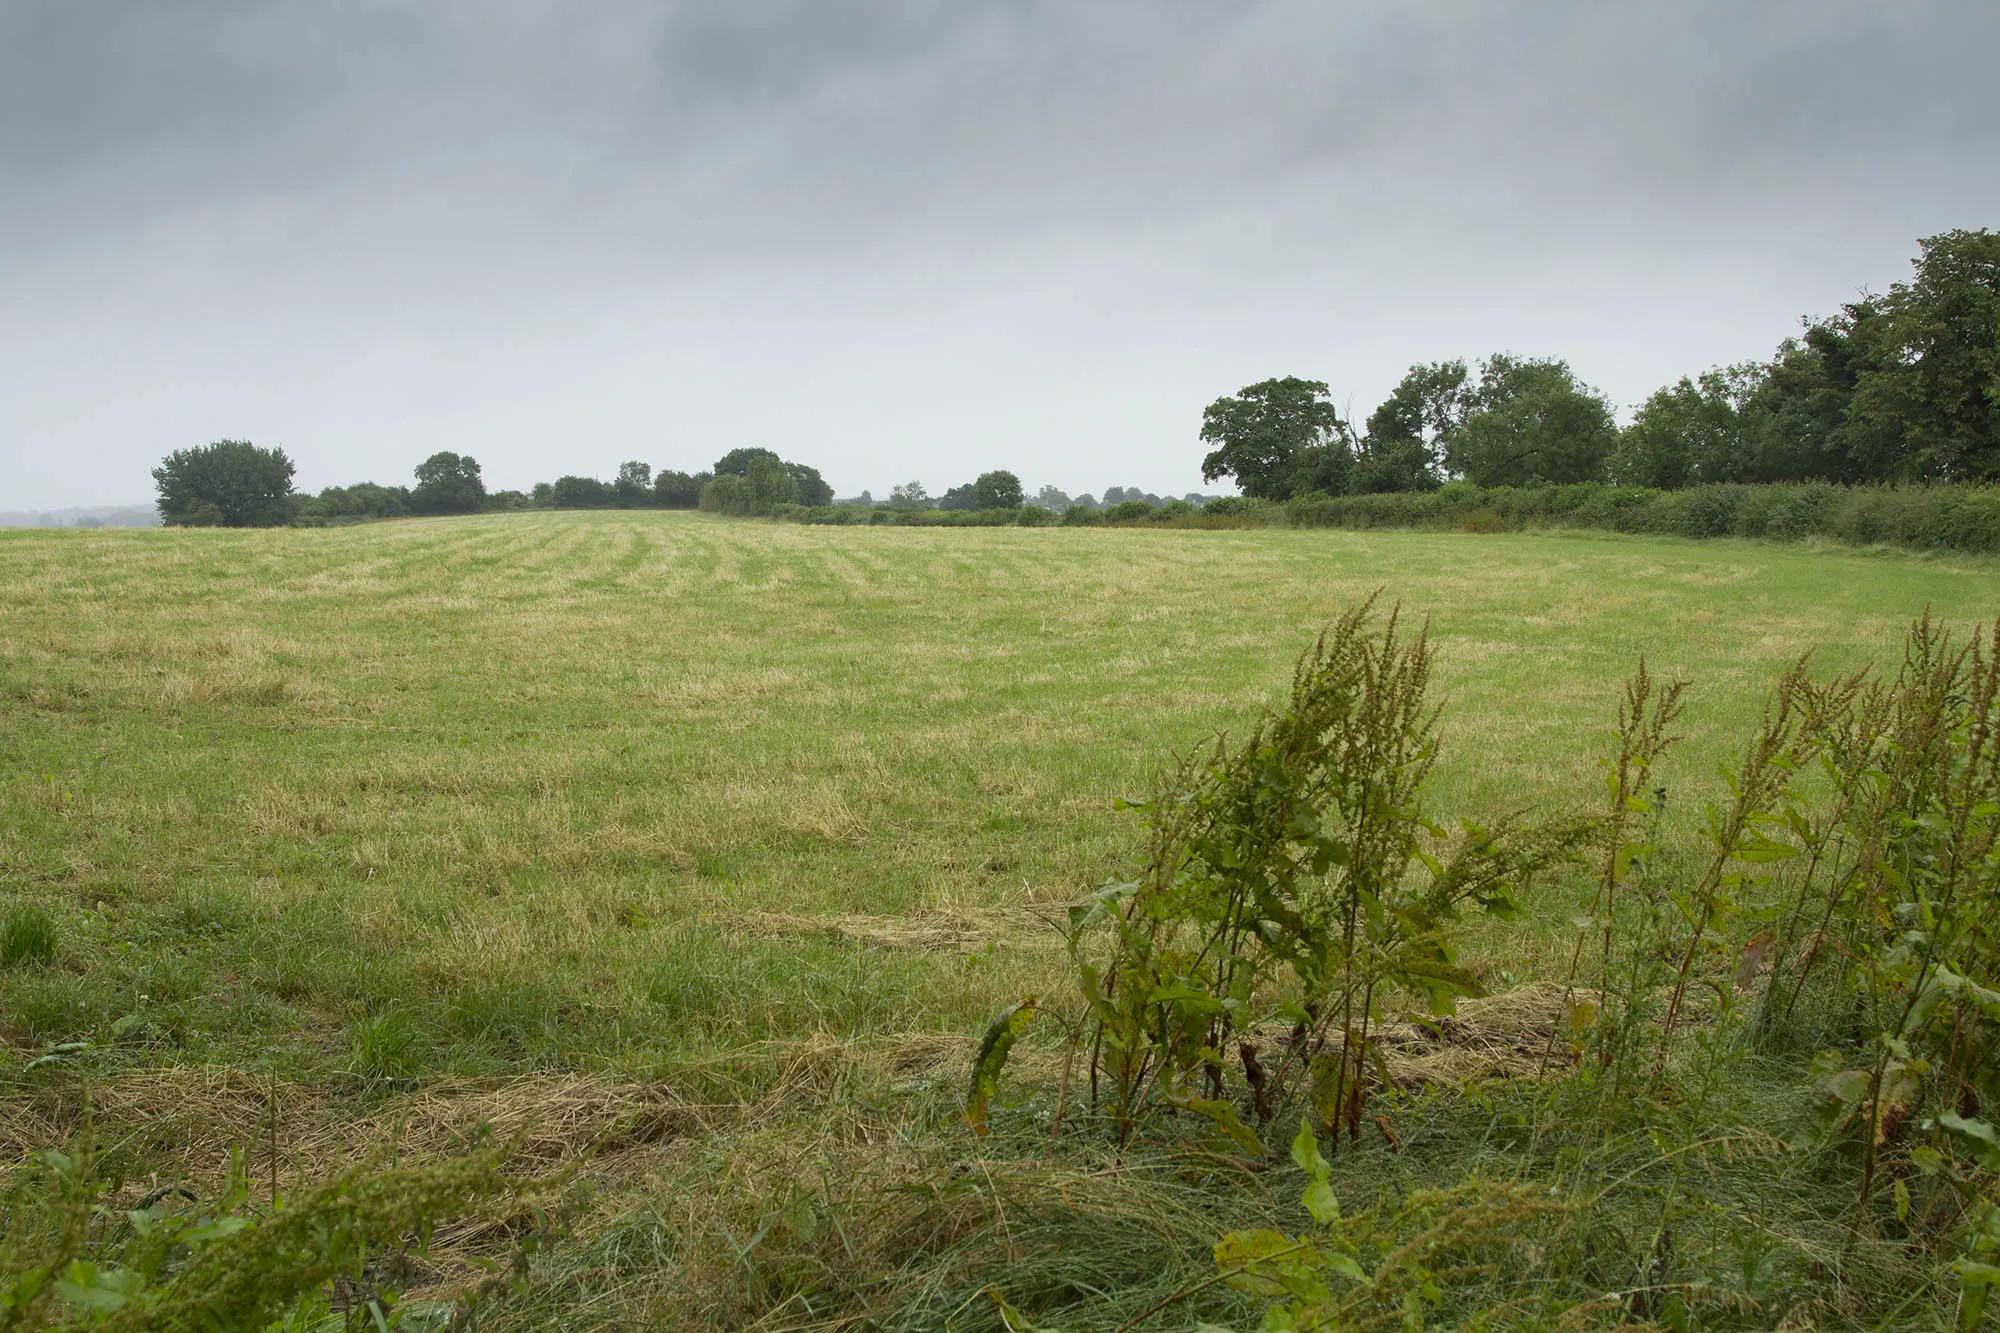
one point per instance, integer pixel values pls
(905, 239)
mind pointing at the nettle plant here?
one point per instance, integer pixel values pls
(1293, 886)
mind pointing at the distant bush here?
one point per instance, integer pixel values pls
(1129, 511)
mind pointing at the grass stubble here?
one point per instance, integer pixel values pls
(701, 851)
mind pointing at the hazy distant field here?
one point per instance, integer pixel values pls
(408, 811)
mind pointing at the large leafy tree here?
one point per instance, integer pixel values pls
(1408, 434)
(231, 484)
(736, 462)
(677, 490)
(1897, 387)
(448, 483)
(1693, 432)
(765, 484)
(808, 487)
(1799, 415)
(1277, 438)
(1928, 406)
(1531, 421)
(634, 484)
(997, 490)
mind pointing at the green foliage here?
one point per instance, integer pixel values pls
(1959, 518)
(994, 1049)
(1529, 421)
(1896, 387)
(766, 484)
(1695, 432)
(387, 1045)
(1898, 899)
(231, 483)
(448, 483)
(574, 492)
(634, 483)
(1278, 886)
(678, 490)
(1408, 435)
(736, 463)
(1384, 1266)
(27, 935)
(1277, 438)
(70, 1261)
(361, 501)
(997, 490)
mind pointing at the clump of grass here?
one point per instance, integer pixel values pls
(27, 935)
(388, 1045)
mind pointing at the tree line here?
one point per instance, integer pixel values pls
(1897, 388)
(234, 483)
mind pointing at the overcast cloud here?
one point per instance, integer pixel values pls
(900, 239)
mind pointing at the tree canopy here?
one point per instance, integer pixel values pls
(1277, 438)
(736, 463)
(997, 490)
(1529, 420)
(448, 483)
(231, 484)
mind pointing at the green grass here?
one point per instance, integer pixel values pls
(401, 809)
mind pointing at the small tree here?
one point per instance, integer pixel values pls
(910, 495)
(231, 484)
(448, 483)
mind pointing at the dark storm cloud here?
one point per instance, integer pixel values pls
(917, 237)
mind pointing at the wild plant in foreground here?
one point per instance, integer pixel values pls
(1292, 885)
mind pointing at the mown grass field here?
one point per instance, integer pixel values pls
(543, 818)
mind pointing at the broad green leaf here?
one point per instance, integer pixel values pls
(993, 1051)
(1257, 1245)
(1321, 1203)
(1760, 851)
(1269, 1263)
(215, 1229)
(1346, 1265)
(1305, 1152)
(1223, 1116)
